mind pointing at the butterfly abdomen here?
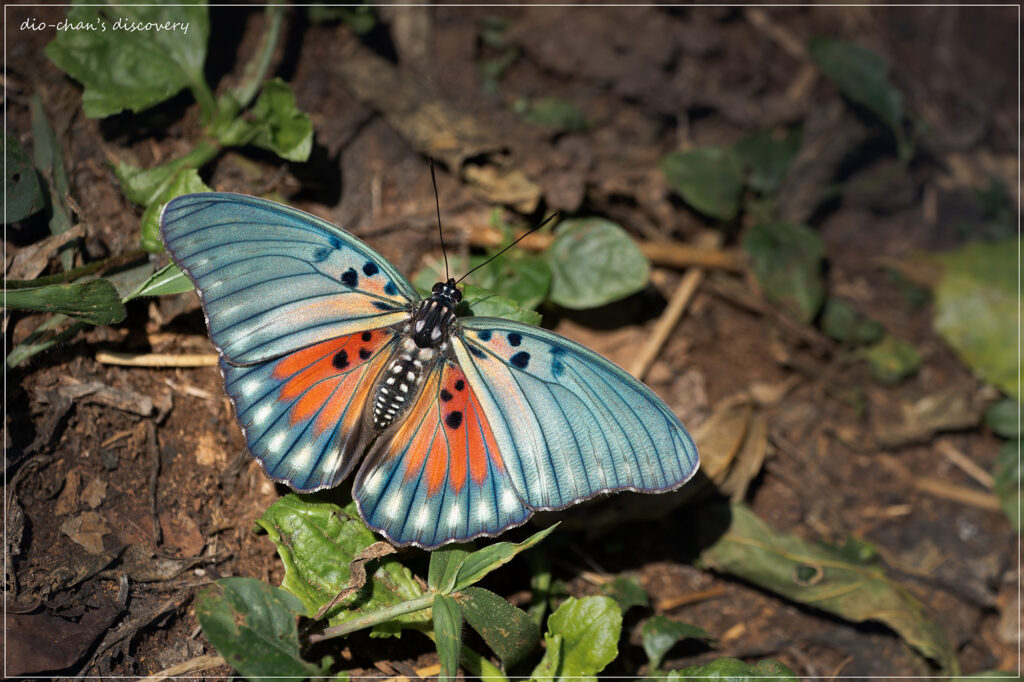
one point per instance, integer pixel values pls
(400, 382)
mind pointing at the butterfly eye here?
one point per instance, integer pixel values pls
(457, 296)
(437, 288)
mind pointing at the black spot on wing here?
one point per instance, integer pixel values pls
(381, 305)
(367, 336)
(557, 366)
(321, 253)
(364, 353)
(340, 360)
(370, 269)
(390, 289)
(515, 339)
(520, 359)
(460, 384)
(350, 278)
(476, 351)
(485, 335)
(453, 420)
(445, 395)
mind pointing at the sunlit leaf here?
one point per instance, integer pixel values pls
(594, 262)
(483, 561)
(590, 629)
(253, 626)
(445, 564)
(483, 303)
(168, 280)
(187, 181)
(122, 67)
(317, 541)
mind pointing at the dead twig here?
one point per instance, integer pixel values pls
(187, 667)
(157, 359)
(154, 473)
(965, 464)
(665, 254)
(673, 311)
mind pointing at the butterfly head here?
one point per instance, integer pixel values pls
(446, 293)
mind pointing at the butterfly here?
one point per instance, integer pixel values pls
(465, 426)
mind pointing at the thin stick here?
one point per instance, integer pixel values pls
(665, 254)
(158, 359)
(184, 668)
(670, 317)
(965, 464)
(958, 493)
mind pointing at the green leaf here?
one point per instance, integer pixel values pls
(733, 670)
(252, 624)
(517, 275)
(95, 302)
(508, 630)
(1007, 481)
(767, 159)
(553, 112)
(168, 280)
(122, 67)
(187, 181)
(862, 76)
(23, 196)
(787, 260)
(708, 178)
(45, 336)
(660, 634)
(482, 303)
(547, 669)
(627, 592)
(593, 262)
(360, 19)
(483, 561)
(317, 541)
(444, 566)
(448, 635)
(821, 577)
(1004, 418)
(50, 162)
(892, 360)
(281, 127)
(843, 323)
(590, 628)
(976, 308)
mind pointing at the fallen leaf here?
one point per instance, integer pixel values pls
(68, 500)
(95, 492)
(41, 642)
(87, 529)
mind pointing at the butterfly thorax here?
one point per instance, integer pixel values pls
(427, 331)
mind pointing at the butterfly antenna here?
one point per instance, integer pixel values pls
(440, 232)
(521, 238)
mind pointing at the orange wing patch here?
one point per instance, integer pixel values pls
(448, 435)
(328, 375)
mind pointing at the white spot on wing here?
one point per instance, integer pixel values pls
(277, 441)
(373, 483)
(262, 413)
(302, 458)
(483, 512)
(421, 519)
(509, 502)
(453, 516)
(250, 387)
(391, 510)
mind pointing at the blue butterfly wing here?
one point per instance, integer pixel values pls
(303, 414)
(569, 424)
(438, 475)
(273, 279)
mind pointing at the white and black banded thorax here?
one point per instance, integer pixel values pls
(425, 335)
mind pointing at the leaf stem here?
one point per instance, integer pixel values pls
(78, 272)
(376, 617)
(256, 69)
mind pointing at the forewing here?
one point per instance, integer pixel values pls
(438, 475)
(273, 279)
(302, 413)
(569, 423)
